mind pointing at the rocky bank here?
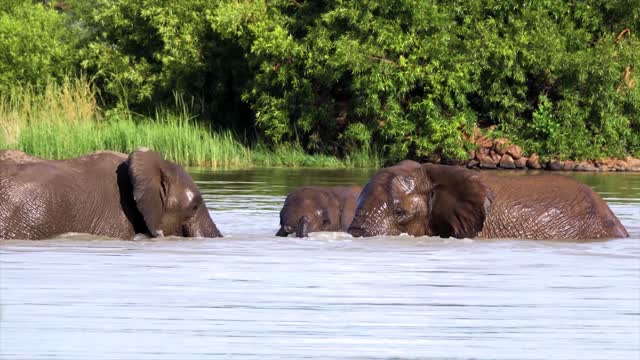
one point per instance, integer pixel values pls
(501, 154)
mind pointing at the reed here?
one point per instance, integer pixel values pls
(63, 121)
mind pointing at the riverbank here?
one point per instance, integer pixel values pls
(177, 139)
(500, 153)
(65, 121)
(191, 144)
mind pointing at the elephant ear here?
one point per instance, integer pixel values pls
(149, 187)
(458, 201)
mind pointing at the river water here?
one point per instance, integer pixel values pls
(251, 295)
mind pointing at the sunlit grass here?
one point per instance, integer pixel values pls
(63, 121)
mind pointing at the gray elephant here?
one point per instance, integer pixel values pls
(104, 193)
(17, 157)
(316, 208)
(449, 201)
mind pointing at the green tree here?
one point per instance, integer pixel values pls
(394, 66)
(148, 52)
(411, 77)
(38, 44)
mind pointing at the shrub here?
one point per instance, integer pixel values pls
(39, 44)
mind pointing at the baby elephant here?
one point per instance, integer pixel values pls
(316, 208)
(104, 193)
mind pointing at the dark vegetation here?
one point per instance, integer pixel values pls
(401, 78)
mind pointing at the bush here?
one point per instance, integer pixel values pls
(147, 52)
(408, 78)
(39, 44)
(420, 74)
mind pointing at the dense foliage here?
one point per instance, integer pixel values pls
(37, 44)
(410, 77)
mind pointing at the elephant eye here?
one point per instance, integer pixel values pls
(195, 203)
(398, 211)
(402, 216)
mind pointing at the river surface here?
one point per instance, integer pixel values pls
(251, 295)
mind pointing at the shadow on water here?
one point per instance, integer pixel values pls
(252, 295)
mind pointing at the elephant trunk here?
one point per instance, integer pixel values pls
(211, 230)
(367, 226)
(357, 227)
(303, 227)
(356, 231)
(201, 225)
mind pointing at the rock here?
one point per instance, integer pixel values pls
(515, 151)
(506, 162)
(568, 165)
(500, 145)
(521, 163)
(484, 142)
(488, 165)
(476, 133)
(585, 166)
(609, 162)
(603, 168)
(483, 151)
(555, 165)
(473, 164)
(494, 156)
(472, 154)
(633, 164)
(487, 162)
(473, 136)
(620, 165)
(533, 162)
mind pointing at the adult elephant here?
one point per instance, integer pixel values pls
(17, 157)
(104, 193)
(316, 208)
(448, 201)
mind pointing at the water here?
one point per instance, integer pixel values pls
(251, 295)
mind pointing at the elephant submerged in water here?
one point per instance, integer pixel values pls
(449, 201)
(104, 193)
(316, 208)
(17, 157)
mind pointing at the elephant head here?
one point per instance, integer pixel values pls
(434, 200)
(167, 198)
(311, 209)
(103, 193)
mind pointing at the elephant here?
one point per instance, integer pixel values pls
(317, 208)
(20, 157)
(17, 157)
(105, 193)
(450, 201)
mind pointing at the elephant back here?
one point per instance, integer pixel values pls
(17, 157)
(547, 207)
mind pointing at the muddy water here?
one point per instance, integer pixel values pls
(251, 295)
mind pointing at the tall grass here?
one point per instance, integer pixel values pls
(71, 103)
(63, 120)
(179, 140)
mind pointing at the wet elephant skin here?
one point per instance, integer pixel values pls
(317, 208)
(449, 201)
(104, 193)
(17, 157)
